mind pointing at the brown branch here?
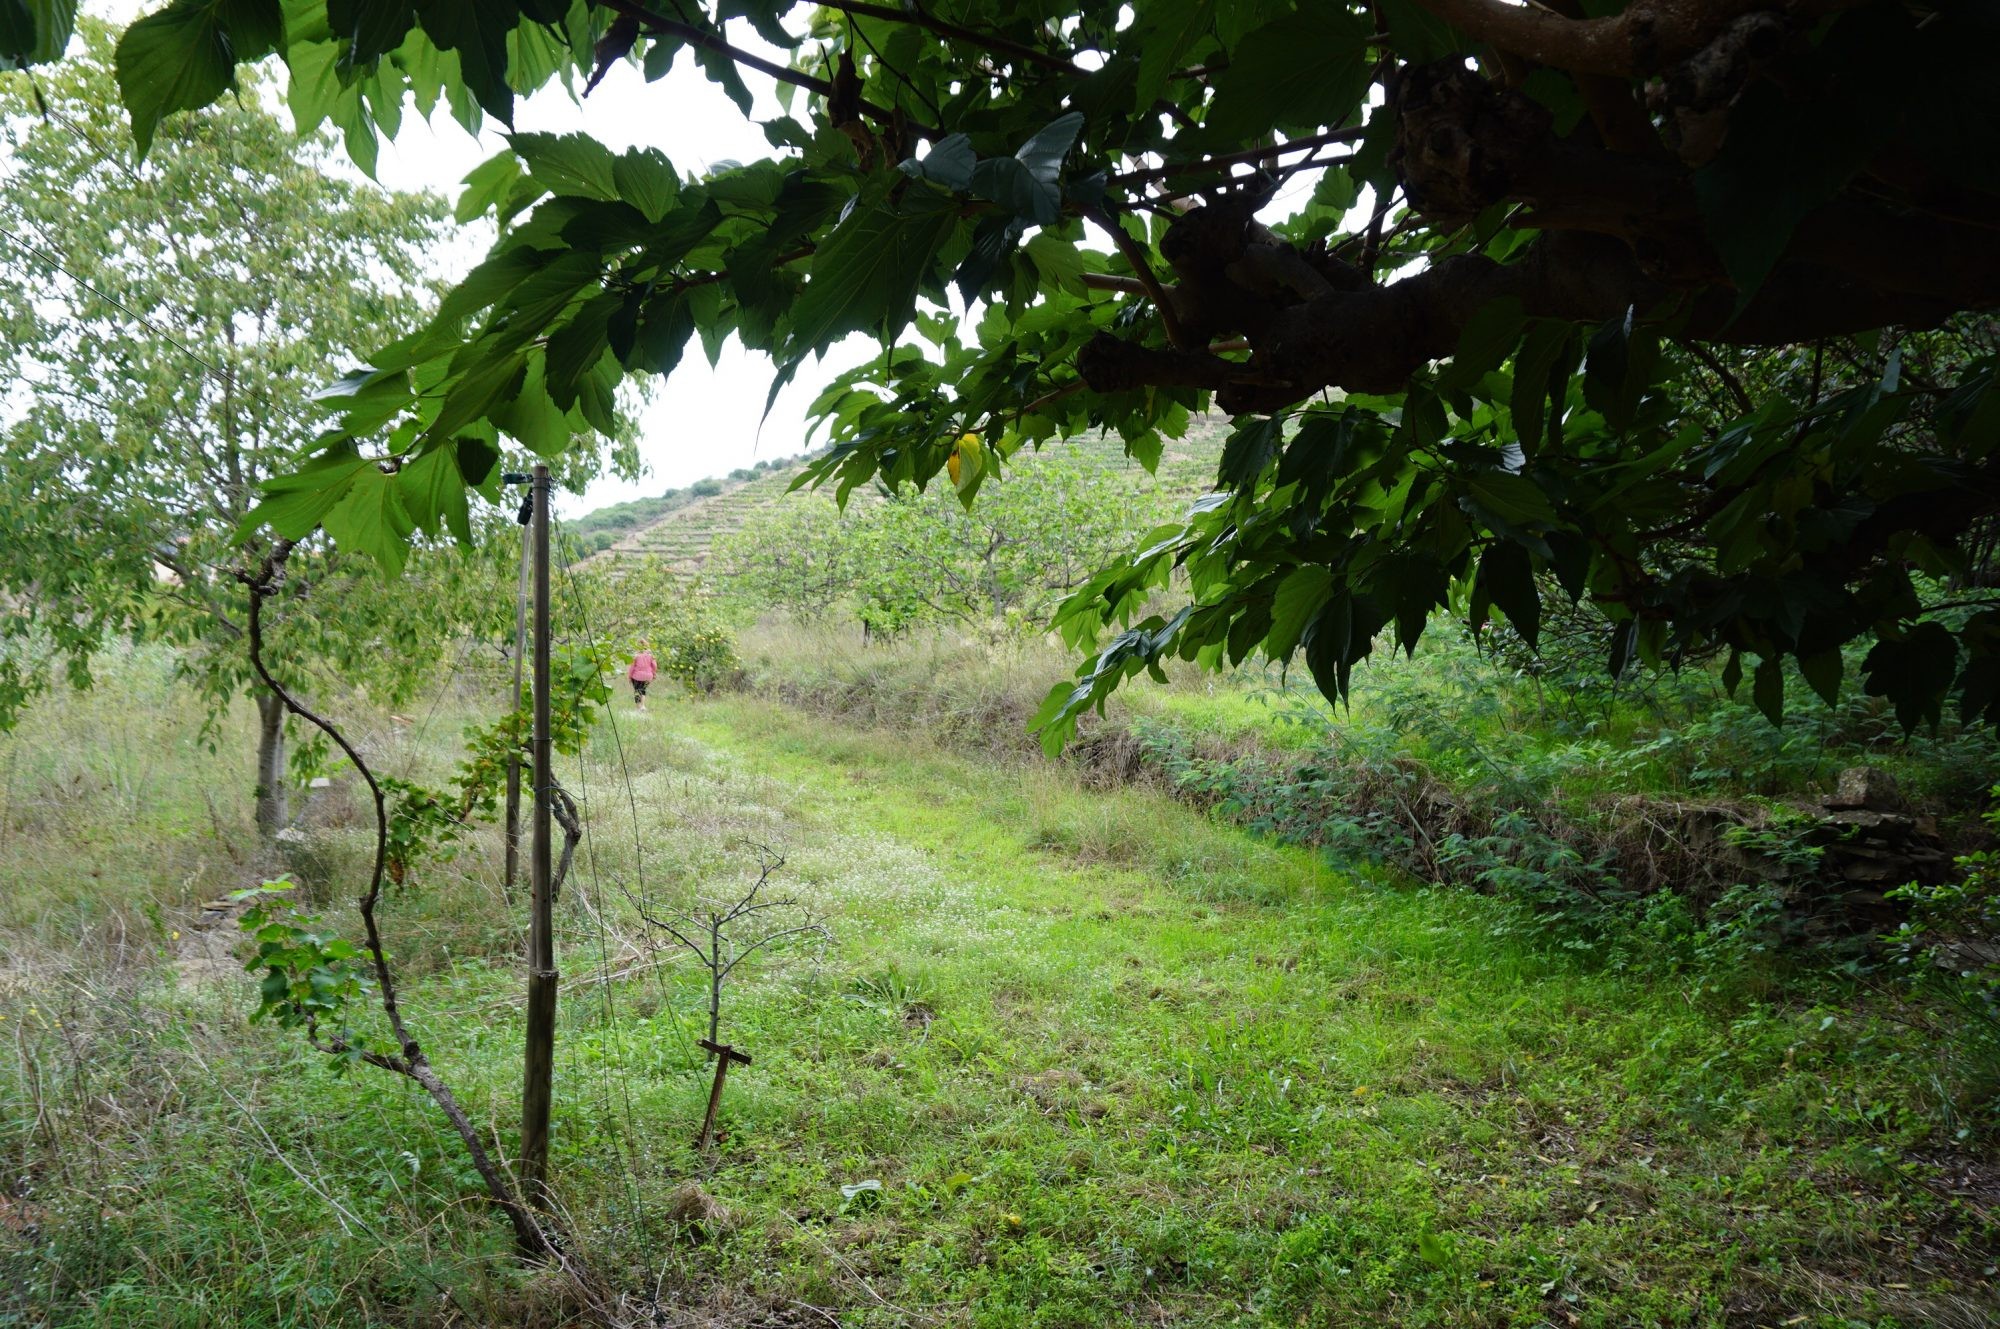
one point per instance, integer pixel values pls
(1373, 338)
(1110, 281)
(412, 1064)
(1143, 270)
(659, 23)
(1644, 39)
(563, 808)
(1228, 159)
(1048, 399)
(1715, 366)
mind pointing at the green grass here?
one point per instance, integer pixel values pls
(1110, 1061)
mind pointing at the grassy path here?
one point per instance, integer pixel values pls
(1074, 1058)
(1111, 1062)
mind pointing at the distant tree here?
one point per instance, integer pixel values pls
(924, 557)
(163, 331)
(638, 603)
(1008, 559)
(793, 556)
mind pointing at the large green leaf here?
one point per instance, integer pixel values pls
(866, 273)
(477, 30)
(1791, 150)
(569, 164)
(1163, 35)
(1306, 71)
(645, 178)
(314, 88)
(368, 29)
(433, 493)
(185, 56)
(372, 520)
(1297, 599)
(1506, 578)
(489, 380)
(34, 32)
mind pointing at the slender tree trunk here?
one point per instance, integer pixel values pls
(271, 810)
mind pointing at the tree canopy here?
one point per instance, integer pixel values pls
(1675, 307)
(160, 354)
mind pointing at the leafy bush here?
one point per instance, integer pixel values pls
(1950, 948)
(705, 488)
(642, 604)
(920, 558)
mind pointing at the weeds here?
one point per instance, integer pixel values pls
(1109, 1059)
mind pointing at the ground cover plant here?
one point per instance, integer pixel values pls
(1088, 1055)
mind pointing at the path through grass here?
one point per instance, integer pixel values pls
(1073, 1058)
(1110, 1060)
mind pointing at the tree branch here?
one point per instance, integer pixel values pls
(1373, 338)
(1715, 366)
(660, 24)
(1108, 281)
(1142, 269)
(412, 1063)
(1643, 40)
(1227, 159)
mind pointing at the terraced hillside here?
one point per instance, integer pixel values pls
(685, 535)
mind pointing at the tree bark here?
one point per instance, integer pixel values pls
(272, 812)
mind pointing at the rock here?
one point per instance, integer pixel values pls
(1866, 787)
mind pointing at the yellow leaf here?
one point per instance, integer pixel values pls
(970, 448)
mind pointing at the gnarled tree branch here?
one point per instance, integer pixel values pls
(1646, 38)
(411, 1062)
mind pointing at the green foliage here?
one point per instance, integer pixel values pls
(927, 558)
(141, 437)
(1101, 1051)
(797, 557)
(311, 977)
(34, 31)
(1620, 414)
(1950, 947)
(641, 604)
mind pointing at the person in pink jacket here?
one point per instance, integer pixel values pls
(641, 673)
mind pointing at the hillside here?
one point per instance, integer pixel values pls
(683, 525)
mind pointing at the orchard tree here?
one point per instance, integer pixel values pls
(796, 557)
(1007, 560)
(164, 329)
(1500, 295)
(638, 603)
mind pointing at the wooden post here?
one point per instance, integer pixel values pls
(514, 761)
(538, 1061)
(724, 1055)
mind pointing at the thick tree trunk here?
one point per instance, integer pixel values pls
(271, 810)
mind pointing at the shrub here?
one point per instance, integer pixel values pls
(1950, 948)
(643, 604)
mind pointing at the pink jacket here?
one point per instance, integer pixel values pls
(643, 668)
